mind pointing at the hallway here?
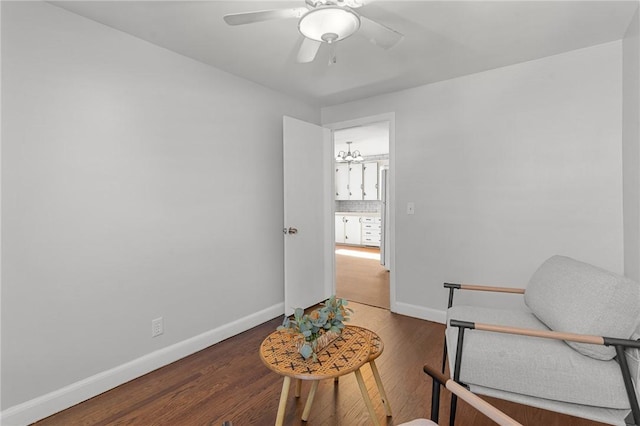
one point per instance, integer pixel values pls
(360, 277)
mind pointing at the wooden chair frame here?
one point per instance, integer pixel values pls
(619, 344)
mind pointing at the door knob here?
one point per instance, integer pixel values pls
(290, 230)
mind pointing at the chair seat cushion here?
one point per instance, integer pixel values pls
(419, 422)
(533, 366)
(575, 297)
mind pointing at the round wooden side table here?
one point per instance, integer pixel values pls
(344, 355)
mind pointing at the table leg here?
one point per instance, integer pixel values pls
(298, 388)
(383, 395)
(283, 400)
(365, 397)
(312, 394)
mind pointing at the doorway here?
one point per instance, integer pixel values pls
(361, 213)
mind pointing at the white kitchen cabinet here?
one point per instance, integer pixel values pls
(349, 181)
(370, 181)
(355, 181)
(342, 181)
(348, 229)
(339, 228)
(371, 231)
(352, 230)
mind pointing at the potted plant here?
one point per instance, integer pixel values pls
(318, 328)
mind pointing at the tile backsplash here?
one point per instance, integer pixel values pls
(368, 206)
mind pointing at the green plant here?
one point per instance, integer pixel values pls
(319, 323)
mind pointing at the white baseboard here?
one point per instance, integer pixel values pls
(421, 312)
(53, 402)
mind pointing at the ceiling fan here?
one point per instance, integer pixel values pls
(324, 22)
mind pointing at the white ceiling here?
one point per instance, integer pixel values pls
(372, 139)
(443, 39)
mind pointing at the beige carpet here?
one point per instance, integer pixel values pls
(360, 277)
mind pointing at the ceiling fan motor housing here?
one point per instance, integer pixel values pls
(349, 3)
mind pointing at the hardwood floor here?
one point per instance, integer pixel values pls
(227, 381)
(361, 279)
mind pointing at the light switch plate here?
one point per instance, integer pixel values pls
(411, 208)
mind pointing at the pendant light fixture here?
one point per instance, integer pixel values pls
(349, 157)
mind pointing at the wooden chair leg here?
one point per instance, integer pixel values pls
(298, 388)
(383, 395)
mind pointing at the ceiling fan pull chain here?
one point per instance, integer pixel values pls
(332, 54)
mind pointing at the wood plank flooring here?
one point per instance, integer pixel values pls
(227, 381)
(361, 279)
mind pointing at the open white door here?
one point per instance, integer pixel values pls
(308, 239)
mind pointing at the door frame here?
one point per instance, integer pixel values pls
(363, 121)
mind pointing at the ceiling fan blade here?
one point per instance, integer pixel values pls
(308, 50)
(379, 34)
(264, 15)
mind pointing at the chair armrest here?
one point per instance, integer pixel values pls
(476, 402)
(573, 337)
(476, 287)
(454, 286)
(481, 405)
(435, 374)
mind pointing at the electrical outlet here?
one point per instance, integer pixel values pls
(157, 327)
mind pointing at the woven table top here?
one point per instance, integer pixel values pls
(345, 354)
(375, 343)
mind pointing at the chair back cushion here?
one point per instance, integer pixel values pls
(575, 297)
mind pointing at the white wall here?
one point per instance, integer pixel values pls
(631, 148)
(136, 183)
(506, 168)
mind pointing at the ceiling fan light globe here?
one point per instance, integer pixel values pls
(329, 23)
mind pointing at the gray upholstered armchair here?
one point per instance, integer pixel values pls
(575, 350)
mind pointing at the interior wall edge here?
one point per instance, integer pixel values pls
(631, 148)
(63, 398)
(421, 312)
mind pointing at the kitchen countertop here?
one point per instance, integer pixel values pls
(369, 214)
